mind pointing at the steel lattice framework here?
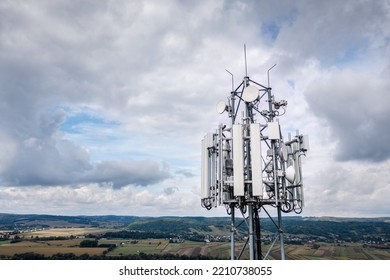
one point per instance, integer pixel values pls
(248, 166)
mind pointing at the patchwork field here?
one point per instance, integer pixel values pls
(162, 246)
(64, 232)
(48, 248)
(351, 251)
(192, 249)
(125, 247)
(221, 250)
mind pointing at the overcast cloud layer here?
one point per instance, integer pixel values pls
(104, 103)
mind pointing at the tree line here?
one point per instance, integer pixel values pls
(71, 256)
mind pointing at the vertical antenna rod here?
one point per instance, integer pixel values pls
(246, 66)
(268, 73)
(232, 79)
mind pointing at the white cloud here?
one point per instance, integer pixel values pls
(94, 199)
(144, 78)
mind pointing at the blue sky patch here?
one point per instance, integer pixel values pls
(271, 30)
(75, 123)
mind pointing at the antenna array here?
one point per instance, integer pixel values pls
(248, 165)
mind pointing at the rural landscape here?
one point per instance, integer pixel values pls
(131, 237)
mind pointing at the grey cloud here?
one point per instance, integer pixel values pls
(170, 190)
(41, 163)
(185, 173)
(119, 56)
(67, 164)
(355, 107)
(44, 158)
(141, 173)
(332, 30)
(96, 55)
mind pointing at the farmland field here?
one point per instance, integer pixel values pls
(326, 251)
(149, 246)
(47, 249)
(65, 240)
(63, 232)
(162, 246)
(219, 250)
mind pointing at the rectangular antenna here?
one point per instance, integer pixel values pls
(305, 143)
(273, 131)
(295, 149)
(257, 178)
(298, 174)
(238, 160)
(209, 140)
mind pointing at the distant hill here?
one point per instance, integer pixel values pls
(351, 229)
(15, 221)
(328, 228)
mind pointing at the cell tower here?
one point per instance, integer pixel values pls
(247, 166)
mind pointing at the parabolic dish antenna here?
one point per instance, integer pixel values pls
(290, 174)
(251, 93)
(221, 107)
(283, 152)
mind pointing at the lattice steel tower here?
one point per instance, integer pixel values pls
(248, 166)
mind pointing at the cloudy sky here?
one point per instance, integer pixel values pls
(104, 103)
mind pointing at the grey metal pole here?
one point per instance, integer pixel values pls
(281, 234)
(233, 229)
(251, 233)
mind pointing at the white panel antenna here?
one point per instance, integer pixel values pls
(298, 196)
(238, 160)
(273, 131)
(257, 169)
(205, 171)
(305, 143)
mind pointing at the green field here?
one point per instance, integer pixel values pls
(125, 247)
